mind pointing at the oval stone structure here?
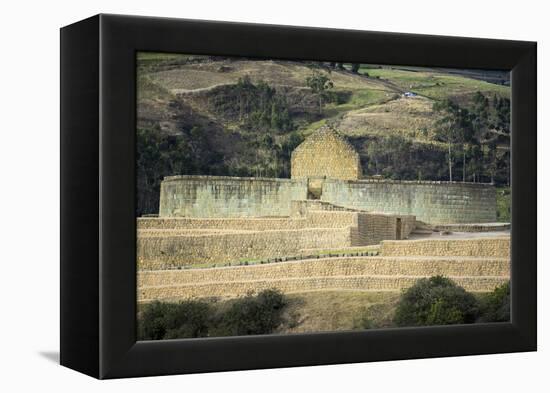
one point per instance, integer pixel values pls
(326, 168)
(325, 154)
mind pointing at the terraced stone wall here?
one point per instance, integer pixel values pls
(498, 247)
(353, 273)
(171, 250)
(176, 242)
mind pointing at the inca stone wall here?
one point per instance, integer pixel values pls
(327, 168)
(373, 228)
(300, 208)
(333, 267)
(400, 266)
(325, 154)
(350, 273)
(164, 243)
(168, 251)
(431, 202)
(305, 284)
(498, 247)
(226, 197)
(220, 196)
(223, 224)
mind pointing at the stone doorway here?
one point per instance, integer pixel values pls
(315, 188)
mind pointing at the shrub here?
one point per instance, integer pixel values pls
(495, 306)
(186, 319)
(435, 301)
(259, 314)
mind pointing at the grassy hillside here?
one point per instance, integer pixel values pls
(339, 311)
(243, 117)
(436, 85)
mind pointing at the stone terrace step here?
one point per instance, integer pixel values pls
(306, 284)
(332, 267)
(478, 247)
(484, 227)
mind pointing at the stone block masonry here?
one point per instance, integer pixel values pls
(223, 224)
(431, 202)
(333, 267)
(217, 196)
(327, 168)
(164, 243)
(234, 197)
(325, 154)
(304, 284)
(177, 250)
(478, 265)
(352, 273)
(498, 247)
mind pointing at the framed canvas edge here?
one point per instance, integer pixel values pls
(119, 353)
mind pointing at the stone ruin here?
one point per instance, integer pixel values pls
(222, 236)
(327, 168)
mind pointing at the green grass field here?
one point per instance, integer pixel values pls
(436, 85)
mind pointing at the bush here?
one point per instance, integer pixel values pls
(495, 306)
(174, 320)
(435, 301)
(259, 314)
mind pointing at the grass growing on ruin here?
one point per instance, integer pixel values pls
(369, 250)
(366, 251)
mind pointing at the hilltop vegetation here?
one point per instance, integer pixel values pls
(243, 117)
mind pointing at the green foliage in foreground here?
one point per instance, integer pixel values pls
(260, 314)
(440, 301)
(174, 320)
(495, 306)
(436, 301)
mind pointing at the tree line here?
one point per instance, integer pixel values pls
(475, 134)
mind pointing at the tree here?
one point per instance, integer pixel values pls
(491, 128)
(187, 319)
(465, 134)
(355, 67)
(260, 314)
(446, 127)
(319, 83)
(495, 306)
(435, 301)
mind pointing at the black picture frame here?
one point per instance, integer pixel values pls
(98, 226)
